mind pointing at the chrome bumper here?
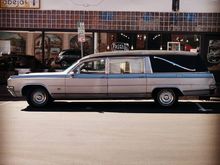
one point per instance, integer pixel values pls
(212, 89)
(11, 90)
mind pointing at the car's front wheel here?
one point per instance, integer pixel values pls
(38, 97)
(166, 97)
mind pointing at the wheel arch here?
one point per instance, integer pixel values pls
(28, 88)
(175, 89)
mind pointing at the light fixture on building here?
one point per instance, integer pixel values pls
(132, 47)
(140, 37)
(156, 36)
(112, 37)
(108, 47)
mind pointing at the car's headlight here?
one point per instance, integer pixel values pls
(10, 87)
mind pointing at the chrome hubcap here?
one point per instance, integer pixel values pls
(166, 98)
(39, 97)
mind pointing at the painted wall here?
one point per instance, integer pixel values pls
(132, 5)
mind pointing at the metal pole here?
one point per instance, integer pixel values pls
(42, 47)
(81, 44)
(95, 42)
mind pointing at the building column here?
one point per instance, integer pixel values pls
(66, 41)
(30, 44)
(96, 42)
(43, 46)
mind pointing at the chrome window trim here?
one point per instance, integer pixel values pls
(148, 67)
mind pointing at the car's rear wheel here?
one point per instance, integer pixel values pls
(38, 97)
(166, 97)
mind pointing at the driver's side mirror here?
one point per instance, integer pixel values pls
(72, 73)
(76, 71)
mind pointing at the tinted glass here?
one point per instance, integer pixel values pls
(177, 64)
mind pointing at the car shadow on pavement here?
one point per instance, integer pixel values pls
(12, 98)
(119, 107)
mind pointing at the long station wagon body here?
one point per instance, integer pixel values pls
(161, 75)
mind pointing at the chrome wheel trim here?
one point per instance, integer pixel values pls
(39, 97)
(166, 98)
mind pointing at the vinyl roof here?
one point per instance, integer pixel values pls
(140, 53)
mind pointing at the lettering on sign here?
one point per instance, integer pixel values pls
(119, 46)
(26, 4)
(81, 32)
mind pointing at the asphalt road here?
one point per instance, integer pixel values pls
(110, 133)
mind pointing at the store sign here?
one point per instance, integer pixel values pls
(25, 4)
(81, 32)
(119, 46)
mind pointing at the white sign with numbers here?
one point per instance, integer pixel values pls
(26, 4)
(81, 32)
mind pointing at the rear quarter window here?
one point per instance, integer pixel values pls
(177, 63)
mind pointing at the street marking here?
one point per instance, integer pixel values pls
(201, 108)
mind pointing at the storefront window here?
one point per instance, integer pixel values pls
(87, 45)
(148, 41)
(187, 42)
(17, 42)
(213, 55)
(121, 41)
(52, 46)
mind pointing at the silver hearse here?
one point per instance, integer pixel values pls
(161, 75)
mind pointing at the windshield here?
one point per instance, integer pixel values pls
(61, 53)
(71, 67)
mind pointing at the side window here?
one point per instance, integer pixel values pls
(165, 64)
(126, 66)
(92, 67)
